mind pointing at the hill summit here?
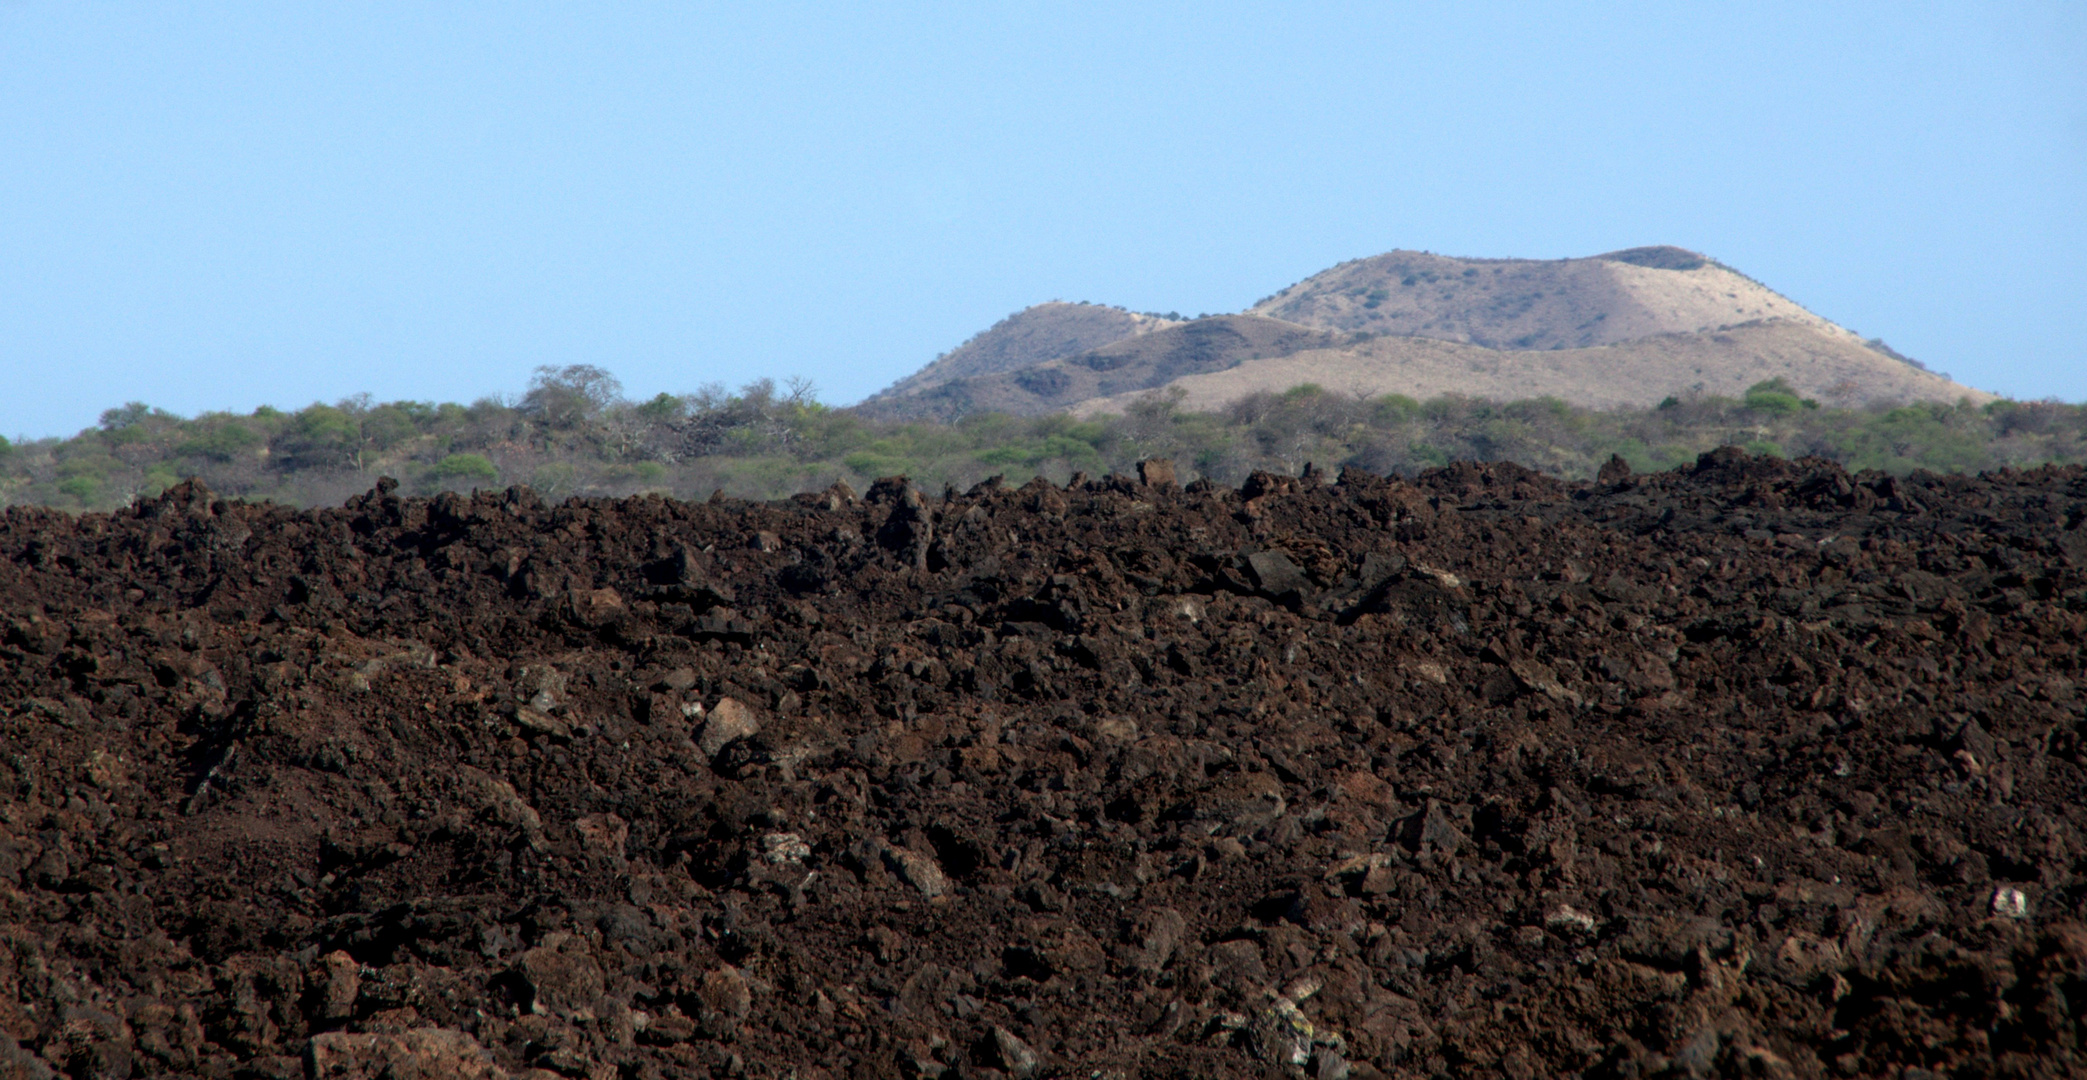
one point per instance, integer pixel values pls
(1529, 304)
(1031, 336)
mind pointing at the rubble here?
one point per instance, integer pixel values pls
(1746, 768)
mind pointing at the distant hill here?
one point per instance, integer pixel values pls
(1149, 360)
(1033, 335)
(1531, 303)
(1626, 328)
(1815, 363)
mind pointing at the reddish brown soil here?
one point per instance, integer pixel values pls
(1754, 768)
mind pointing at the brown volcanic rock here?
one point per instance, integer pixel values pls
(1751, 768)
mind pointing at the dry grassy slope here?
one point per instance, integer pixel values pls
(1535, 304)
(1140, 363)
(1031, 336)
(1818, 363)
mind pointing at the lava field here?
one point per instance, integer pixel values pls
(1752, 768)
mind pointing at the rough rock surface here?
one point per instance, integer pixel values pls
(1753, 768)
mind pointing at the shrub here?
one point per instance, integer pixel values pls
(387, 426)
(555, 479)
(320, 436)
(661, 409)
(218, 439)
(1776, 396)
(130, 414)
(159, 478)
(464, 468)
(869, 463)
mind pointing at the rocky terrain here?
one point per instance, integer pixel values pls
(1751, 768)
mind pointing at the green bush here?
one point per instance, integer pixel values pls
(134, 414)
(158, 479)
(86, 461)
(319, 436)
(218, 439)
(628, 475)
(660, 409)
(464, 468)
(869, 463)
(1433, 456)
(387, 426)
(1776, 396)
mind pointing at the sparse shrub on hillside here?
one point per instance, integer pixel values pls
(81, 479)
(219, 438)
(461, 472)
(390, 424)
(554, 480)
(135, 420)
(1776, 396)
(320, 437)
(662, 409)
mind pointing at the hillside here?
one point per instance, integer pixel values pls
(1138, 363)
(1031, 336)
(1535, 304)
(1815, 363)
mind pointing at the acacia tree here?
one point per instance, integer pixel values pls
(562, 398)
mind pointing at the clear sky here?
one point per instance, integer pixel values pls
(218, 206)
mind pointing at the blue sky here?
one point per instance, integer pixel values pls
(218, 206)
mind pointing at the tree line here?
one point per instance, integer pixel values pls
(573, 432)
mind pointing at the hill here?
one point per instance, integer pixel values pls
(1628, 327)
(1031, 336)
(1528, 304)
(1813, 362)
(1139, 363)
